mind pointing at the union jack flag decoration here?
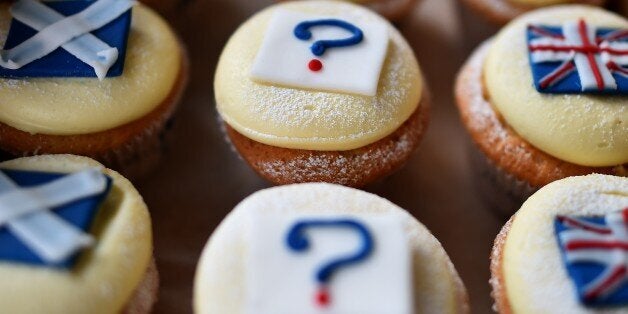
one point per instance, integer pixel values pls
(579, 58)
(595, 251)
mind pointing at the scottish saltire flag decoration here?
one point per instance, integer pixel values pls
(595, 251)
(81, 38)
(45, 217)
(579, 58)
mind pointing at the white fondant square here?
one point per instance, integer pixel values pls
(283, 58)
(281, 281)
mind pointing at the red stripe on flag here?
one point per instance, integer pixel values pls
(551, 78)
(593, 244)
(588, 227)
(618, 274)
(580, 49)
(582, 29)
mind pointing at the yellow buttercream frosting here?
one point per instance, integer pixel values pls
(71, 106)
(582, 129)
(307, 119)
(220, 283)
(536, 280)
(106, 275)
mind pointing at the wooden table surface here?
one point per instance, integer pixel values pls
(201, 179)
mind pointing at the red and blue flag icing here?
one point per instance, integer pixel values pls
(60, 62)
(595, 252)
(79, 213)
(578, 58)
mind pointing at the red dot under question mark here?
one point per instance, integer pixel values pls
(315, 65)
(322, 298)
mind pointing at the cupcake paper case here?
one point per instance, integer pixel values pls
(529, 138)
(250, 266)
(52, 105)
(551, 256)
(354, 117)
(112, 272)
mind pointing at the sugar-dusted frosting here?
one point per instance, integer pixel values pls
(220, 284)
(69, 106)
(307, 119)
(536, 280)
(106, 275)
(582, 129)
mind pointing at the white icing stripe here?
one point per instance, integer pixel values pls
(22, 201)
(607, 75)
(579, 234)
(598, 256)
(617, 223)
(62, 31)
(51, 238)
(87, 47)
(585, 72)
(548, 55)
(617, 58)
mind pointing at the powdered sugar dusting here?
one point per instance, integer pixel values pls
(470, 85)
(479, 115)
(303, 110)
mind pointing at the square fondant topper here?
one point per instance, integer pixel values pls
(61, 63)
(79, 213)
(324, 53)
(312, 263)
(594, 252)
(578, 58)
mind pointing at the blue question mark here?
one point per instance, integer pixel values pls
(297, 241)
(318, 48)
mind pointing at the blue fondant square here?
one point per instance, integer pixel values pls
(583, 273)
(80, 213)
(570, 84)
(61, 63)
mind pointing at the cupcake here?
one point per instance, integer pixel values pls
(75, 237)
(105, 89)
(564, 251)
(535, 108)
(501, 12)
(321, 91)
(313, 247)
(393, 10)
